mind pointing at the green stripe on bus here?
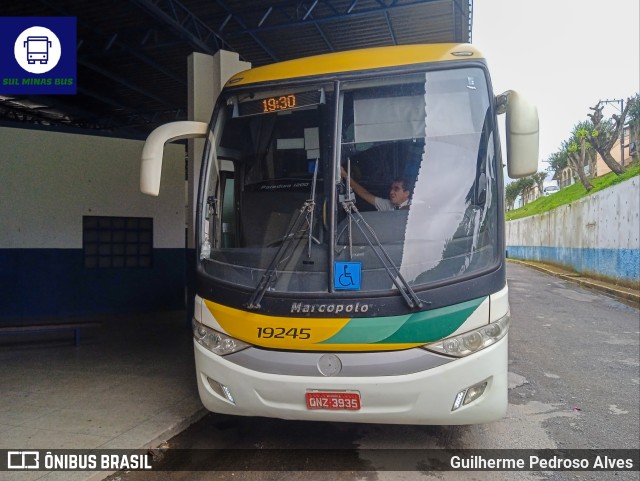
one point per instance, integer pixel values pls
(420, 327)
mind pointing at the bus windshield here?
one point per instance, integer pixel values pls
(278, 209)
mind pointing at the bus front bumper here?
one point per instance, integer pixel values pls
(425, 397)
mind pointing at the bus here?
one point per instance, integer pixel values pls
(311, 302)
(37, 49)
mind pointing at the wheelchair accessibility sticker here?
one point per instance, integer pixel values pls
(347, 275)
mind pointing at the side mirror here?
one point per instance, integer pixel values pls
(522, 134)
(151, 162)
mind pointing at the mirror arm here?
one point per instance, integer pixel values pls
(151, 161)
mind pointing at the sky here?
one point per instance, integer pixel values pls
(563, 55)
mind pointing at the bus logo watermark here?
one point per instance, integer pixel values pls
(23, 460)
(38, 55)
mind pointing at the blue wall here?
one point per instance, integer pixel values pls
(621, 264)
(54, 282)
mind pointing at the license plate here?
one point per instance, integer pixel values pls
(349, 401)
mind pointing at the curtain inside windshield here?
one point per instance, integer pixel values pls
(421, 157)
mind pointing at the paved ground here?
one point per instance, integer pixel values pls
(130, 384)
(573, 384)
(627, 294)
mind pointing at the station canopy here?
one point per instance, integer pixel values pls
(132, 54)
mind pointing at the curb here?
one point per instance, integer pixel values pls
(632, 297)
(165, 435)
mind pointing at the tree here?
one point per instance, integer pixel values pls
(538, 178)
(634, 127)
(558, 161)
(518, 187)
(511, 191)
(524, 183)
(606, 132)
(580, 151)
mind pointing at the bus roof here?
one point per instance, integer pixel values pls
(353, 60)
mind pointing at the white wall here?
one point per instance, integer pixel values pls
(49, 180)
(598, 234)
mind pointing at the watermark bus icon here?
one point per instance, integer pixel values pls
(23, 459)
(37, 49)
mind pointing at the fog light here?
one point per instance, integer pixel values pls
(221, 390)
(469, 394)
(474, 392)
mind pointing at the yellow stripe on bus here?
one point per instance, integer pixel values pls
(295, 333)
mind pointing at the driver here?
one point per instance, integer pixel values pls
(399, 195)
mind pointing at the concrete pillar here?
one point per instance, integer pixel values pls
(206, 76)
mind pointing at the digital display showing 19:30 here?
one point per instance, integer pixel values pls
(279, 103)
(284, 102)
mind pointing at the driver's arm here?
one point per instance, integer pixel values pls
(358, 189)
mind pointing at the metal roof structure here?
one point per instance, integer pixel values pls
(132, 54)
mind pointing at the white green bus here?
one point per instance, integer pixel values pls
(322, 297)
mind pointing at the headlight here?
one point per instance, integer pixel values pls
(472, 341)
(216, 342)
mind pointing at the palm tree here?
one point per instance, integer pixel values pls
(538, 178)
(558, 161)
(511, 191)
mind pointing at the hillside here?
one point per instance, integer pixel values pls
(570, 194)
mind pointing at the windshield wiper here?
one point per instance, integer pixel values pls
(409, 295)
(348, 204)
(285, 247)
(305, 214)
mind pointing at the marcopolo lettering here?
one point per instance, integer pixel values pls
(333, 308)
